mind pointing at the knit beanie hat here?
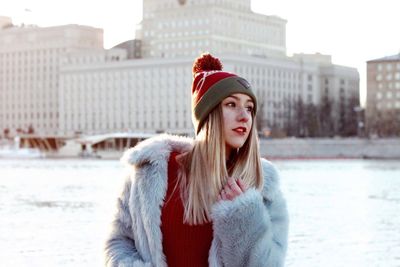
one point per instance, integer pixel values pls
(211, 85)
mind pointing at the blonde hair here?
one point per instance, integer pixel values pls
(205, 169)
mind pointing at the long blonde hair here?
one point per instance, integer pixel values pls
(206, 168)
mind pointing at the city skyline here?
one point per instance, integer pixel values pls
(171, 36)
(352, 34)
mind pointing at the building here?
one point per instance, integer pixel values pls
(338, 86)
(115, 94)
(143, 85)
(29, 72)
(132, 47)
(383, 95)
(152, 94)
(172, 28)
(105, 92)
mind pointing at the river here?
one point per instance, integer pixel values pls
(342, 212)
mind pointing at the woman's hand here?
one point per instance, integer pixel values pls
(232, 189)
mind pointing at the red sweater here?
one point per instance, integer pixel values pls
(183, 244)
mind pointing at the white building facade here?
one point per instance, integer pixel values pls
(172, 28)
(29, 73)
(152, 95)
(104, 91)
(144, 96)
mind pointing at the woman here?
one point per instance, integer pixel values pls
(205, 202)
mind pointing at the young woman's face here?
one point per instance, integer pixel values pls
(237, 115)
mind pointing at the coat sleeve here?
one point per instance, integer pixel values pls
(251, 230)
(120, 250)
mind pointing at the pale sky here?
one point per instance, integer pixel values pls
(349, 30)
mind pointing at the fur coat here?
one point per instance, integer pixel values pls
(251, 230)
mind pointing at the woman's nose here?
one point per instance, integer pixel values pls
(243, 115)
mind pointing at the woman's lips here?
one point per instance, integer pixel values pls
(240, 130)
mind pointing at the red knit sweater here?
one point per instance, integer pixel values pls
(183, 244)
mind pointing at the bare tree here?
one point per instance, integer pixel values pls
(260, 117)
(312, 122)
(299, 118)
(351, 122)
(31, 130)
(325, 117)
(6, 132)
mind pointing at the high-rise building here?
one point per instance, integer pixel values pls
(152, 94)
(29, 72)
(132, 47)
(172, 28)
(104, 92)
(113, 94)
(383, 91)
(144, 85)
(338, 87)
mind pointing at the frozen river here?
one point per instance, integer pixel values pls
(342, 212)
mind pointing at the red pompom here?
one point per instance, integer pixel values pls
(206, 62)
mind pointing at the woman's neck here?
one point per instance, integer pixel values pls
(228, 151)
(229, 160)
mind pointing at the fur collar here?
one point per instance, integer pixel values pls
(157, 149)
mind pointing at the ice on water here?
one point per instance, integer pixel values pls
(342, 212)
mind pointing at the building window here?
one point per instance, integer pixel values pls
(389, 95)
(379, 77)
(379, 95)
(389, 66)
(389, 77)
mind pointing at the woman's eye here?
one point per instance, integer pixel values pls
(250, 109)
(231, 104)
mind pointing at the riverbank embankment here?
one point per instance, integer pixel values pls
(303, 148)
(289, 148)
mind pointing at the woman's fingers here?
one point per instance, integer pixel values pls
(232, 184)
(227, 193)
(232, 189)
(224, 195)
(242, 185)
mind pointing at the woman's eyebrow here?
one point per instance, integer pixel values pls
(232, 96)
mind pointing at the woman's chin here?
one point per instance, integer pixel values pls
(234, 145)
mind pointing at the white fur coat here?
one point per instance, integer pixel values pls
(250, 231)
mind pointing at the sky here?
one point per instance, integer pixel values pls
(351, 31)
